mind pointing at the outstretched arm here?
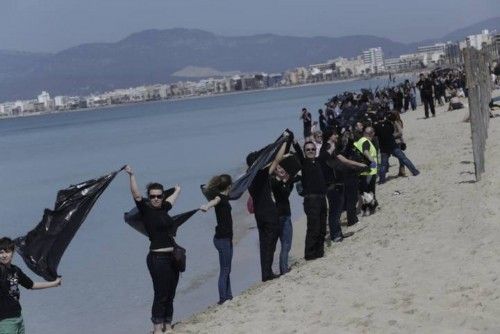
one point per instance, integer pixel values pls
(349, 162)
(46, 285)
(134, 189)
(210, 204)
(279, 157)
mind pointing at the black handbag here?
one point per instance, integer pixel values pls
(179, 254)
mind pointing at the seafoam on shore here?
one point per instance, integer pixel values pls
(427, 262)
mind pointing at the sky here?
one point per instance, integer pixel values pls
(53, 25)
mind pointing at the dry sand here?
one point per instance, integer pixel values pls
(427, 262)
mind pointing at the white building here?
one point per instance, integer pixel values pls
(476, 41)
(374, 59)
(45, 99)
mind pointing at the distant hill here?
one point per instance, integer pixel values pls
(159, 56)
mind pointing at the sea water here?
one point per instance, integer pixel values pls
(106, 285)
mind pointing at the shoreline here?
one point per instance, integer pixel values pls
(414, 266)
(187, 98)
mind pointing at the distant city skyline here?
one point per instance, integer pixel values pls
(43, 26)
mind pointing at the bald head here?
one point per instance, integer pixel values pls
(369, 132)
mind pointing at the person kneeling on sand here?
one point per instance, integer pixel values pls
(11, 320)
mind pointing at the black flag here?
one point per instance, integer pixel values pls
(43, 247)
(263, 157)
(134, 219)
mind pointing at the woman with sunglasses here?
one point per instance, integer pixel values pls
(161, 230)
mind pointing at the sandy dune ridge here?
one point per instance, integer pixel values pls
(427, 262)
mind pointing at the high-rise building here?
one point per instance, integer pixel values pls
(374, 59)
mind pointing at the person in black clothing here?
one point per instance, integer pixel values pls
(266, 213)
(426, 86)
(346, 148)
(323, 124)
(314, 192)
(223, 239)
(335, 166)
(307, 120)
(384, 130)
(282, 186)
(161, 230)
(11, 320)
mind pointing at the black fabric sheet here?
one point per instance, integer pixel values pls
(134, 219)
(43, 247)
(265, 156)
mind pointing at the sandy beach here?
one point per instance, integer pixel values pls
(427, 262)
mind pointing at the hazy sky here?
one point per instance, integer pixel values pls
(52, 25)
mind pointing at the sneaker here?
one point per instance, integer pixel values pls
(338, 239)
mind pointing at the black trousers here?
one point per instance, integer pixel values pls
(428, 102)
(316, 210)
(165, 278)
(351, 198)
(269, 232)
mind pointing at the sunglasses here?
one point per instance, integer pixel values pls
(310, 150)
(155, 196)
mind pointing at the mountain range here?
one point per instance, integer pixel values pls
(161, 56)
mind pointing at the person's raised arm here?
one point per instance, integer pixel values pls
(46, 285)
(172, 198)
(279, 155)
(210, 204)
(134, 189)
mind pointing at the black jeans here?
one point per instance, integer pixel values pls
(336, 199)
(315, 209)
(269, 232)
(351, 198)
(165, 278)
(428, 102)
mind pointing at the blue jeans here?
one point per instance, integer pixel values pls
(286, 242)
(384, 167)
(336, 200)
(225, 248)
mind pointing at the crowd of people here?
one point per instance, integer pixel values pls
(343, 157)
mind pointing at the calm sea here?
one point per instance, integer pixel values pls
(106, 285)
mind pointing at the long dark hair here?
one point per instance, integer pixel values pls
(220, 182)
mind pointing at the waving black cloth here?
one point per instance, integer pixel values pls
(134, 219)
(260, 159)
(43, 247)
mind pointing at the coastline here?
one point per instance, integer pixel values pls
(426, 262)
(186, 98)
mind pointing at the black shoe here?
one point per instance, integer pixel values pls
(269, 278)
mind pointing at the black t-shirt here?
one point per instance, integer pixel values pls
(327, 161)
(224, 228)
(159, 225)
(385, 134)
(263, 203)
(313, 180)
(9, 291)
(425, 86)
(281, 191)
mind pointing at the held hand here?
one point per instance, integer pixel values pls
(177, 188)
(57, 282)
(204, 208)
(129, 170)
